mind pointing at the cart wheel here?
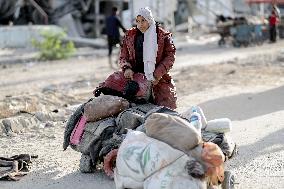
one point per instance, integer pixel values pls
(85, 165)
(229, 180)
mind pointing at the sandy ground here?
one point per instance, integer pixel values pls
(247, 86)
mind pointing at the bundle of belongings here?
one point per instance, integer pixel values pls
(13, 168)
(153, 146)
(172, 154)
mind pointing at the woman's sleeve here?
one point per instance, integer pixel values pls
(168, 57)
(123, 56)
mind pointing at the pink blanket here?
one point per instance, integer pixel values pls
(78, 131)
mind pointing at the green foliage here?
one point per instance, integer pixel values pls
(52, 47)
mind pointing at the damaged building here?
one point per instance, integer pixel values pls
(81, 18)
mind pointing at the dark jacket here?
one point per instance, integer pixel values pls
(112, 26)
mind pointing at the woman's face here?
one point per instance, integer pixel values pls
(142, 23)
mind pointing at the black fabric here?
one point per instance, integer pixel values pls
(273, 33)
(112, 30)
(195, 169)
(219, 139)
(168, 111)
(228, 147)
(138, 45)
(94, 152)
(112, 41)
(17, 166)
(110, 144)
(107, 91)
(131, 89)
(106, 135)
(112, 26)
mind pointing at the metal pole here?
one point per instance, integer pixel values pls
(40, 10)
(207, 11)
(97, 14)
(132, 12)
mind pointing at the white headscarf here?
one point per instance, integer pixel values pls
(150, 46)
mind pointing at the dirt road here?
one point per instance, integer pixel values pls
(247, 87)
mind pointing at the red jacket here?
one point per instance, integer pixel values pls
(273, 20)
(164, 93)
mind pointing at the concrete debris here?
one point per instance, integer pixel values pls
(42, 116)
(2, 129)
(85, 42)
(12, 125)
(37, 120)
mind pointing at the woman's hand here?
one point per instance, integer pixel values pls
(128, 74)
(156, 81)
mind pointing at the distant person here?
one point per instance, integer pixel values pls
(273, 21)
(112, 30)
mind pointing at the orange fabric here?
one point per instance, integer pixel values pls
(109, 162)
(214, 160)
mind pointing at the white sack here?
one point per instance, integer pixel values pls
(174, 176)
(140, 156)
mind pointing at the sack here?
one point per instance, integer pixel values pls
(139, 156)
(172, 130)
(116, 84)
(177, 179)
(141, 160)
(103, 107)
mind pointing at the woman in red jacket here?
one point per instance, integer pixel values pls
(149, 49)
(273, 21)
